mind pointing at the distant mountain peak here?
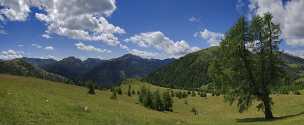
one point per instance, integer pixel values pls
(71, 59)
(130, 56)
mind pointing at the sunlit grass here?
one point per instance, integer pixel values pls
(30, 101)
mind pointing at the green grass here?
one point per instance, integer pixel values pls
(30, 101)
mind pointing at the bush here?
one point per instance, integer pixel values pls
(203, 94)
(129, 91)
(193, 94)
(296, 93)
(114, 95)
(91, 87)
(119, 91)
(194, 111)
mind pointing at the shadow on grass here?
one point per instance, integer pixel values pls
(262, 119)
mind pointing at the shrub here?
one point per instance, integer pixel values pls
(194, 111)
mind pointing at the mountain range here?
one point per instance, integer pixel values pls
(105, 73)
(190, 71)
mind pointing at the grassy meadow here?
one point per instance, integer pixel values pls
(30, 101)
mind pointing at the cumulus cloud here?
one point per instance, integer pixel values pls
(11, 54)
(14, 10)
(289, 15)
(213, 38)
(90, 48)
(76, 19)
(41, 47)
(161, 42)
(143, 54)
(49, 48)
(46, 36)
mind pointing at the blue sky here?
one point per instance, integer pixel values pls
(182, 26)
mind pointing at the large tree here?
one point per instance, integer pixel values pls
(249, 66)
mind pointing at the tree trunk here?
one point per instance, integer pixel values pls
(267, 108)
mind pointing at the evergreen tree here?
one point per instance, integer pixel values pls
(91, 87)
(193, 93)
(129, 91)
(168, 101)
(114, 95)
(119, 91)
(157, 101)
(250, 66)
(194, 111)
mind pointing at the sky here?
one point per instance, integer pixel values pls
(108, 29)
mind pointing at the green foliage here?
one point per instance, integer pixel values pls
(129, 90)
(91, 86)
(119, 91)
(114, 95)
(250, 65)
(194, 111)
(193, 93)
(189, 71)
(155, 100)
(167, 101)
(203, 94)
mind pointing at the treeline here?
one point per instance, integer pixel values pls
(156, 100)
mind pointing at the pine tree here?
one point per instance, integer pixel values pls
(193, 93)
(129, 91)
(249, 63)
(157, 101)
(119, 91)
(168, 101)
(114, 95)
(91, 87)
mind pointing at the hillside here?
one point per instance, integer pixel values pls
(72, 67)
(113, 71)
(191, 71)
(22, 68)
(38, 62)
(30, 101)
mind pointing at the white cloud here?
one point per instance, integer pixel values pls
(37, 46)
(290, 16)
(11, 54)
(14, 10)
(213, 38)
(161, 42)
(81, 19)
(50, 57)
(194, 19)
(90, 48)
(46, 36)
(20, 45)
(143, 54)
(76, 19)
(41, 47)
(49, 48)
